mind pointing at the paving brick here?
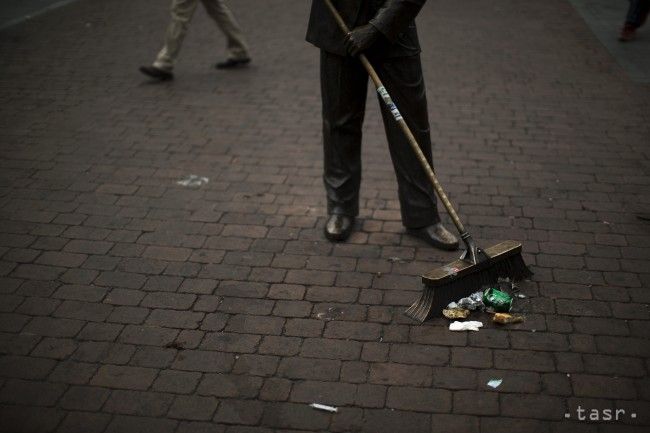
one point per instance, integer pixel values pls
(136, 424)
(242, 323)
(230, 385)
(112, 353)
(72, 372)
(330, 349)
(400, 374)
(523, 360)
(30, 418)
(313, 369)
(138, 403)
(53, 327)
(533, 406)
(86, 398)
(229, 342)
(27, 392)
(120, 279)
(293, 416)
(204, 361)
(88, 311)
(283, 346)
(275, 389)
(193, 407)
(155, 357)
(286, 291)
(57, 348)
(419, 399)
(258, 365)
(386, 421)
(476, 403)
(84, 422)
(353, 330)
(602, 386)
(177, 382)
(174, 319)
(332, 393)
(174, 301)
(81, 293)
(148, 335)
(119, 376)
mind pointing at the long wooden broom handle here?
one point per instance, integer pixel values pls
(407, 131)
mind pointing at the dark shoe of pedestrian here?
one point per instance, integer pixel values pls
(233, 63)
(437, 236)
(628, 33)
(338, 227)
(157, 73)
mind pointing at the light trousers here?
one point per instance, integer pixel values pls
(182, 12)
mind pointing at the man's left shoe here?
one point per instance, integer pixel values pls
(233, 63)
(157, 73)
(437, 236)
(338, 227)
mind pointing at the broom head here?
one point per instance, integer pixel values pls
(460, 278)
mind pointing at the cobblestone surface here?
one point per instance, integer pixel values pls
(132, 304)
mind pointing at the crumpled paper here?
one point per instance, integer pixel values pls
(470, 325)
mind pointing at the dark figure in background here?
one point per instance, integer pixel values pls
(635, 18)
(384, 30)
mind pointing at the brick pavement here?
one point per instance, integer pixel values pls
(132, 304)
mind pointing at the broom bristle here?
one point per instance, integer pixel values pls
(434, 299)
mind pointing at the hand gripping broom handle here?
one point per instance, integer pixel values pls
(472, 251)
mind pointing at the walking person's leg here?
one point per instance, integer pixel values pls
(181, 15)
(237, 46)
(404, 81)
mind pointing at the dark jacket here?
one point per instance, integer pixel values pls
(395, 19)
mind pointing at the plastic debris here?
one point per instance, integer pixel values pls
(472, 302)
(465, 326)
(521, 296)
(505, 318)
(499, 301)
(397, 260)
(332, 313)
(193, 181)
(494, 383)
(455, 313)
(324, 407)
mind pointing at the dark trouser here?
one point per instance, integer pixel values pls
(344, 86)
(637, 13)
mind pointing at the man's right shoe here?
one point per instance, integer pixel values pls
(338, 227)
(157, 73)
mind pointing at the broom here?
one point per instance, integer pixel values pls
(476, 266)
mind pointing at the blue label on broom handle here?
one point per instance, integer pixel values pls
(389, 103)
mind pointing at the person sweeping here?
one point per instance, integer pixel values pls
(385, 32)
(379, 49)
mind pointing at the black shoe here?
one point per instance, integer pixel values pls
(157, 73)
(437, 236)
(338, 227)
(233, 63)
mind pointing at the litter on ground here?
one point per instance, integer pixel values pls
(324, 407)
(471, 325)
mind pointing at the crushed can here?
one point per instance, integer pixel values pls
(505, 318)
(499, 301)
